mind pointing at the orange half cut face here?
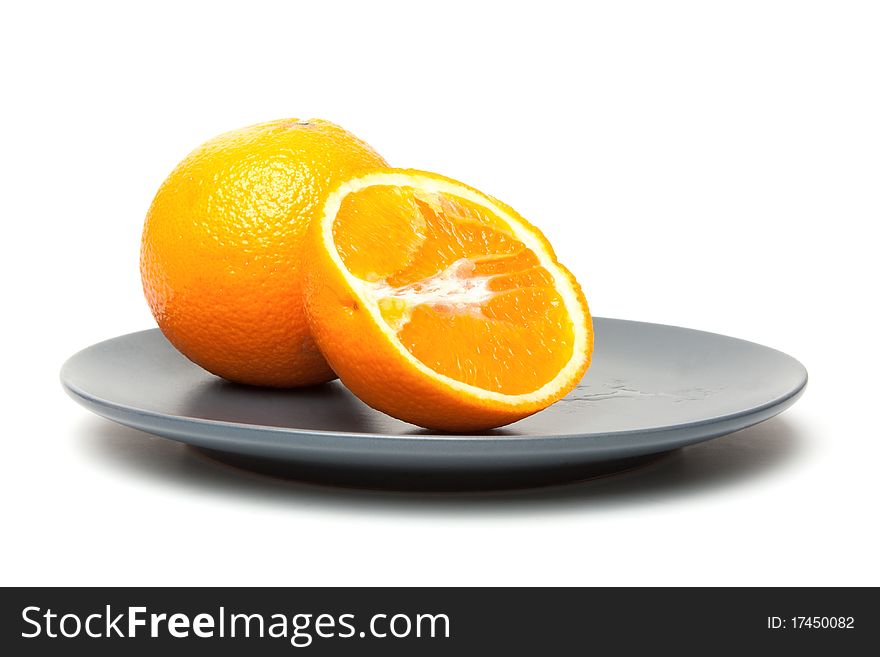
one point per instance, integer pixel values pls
(459, 290)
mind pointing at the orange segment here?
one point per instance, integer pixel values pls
(462, 298)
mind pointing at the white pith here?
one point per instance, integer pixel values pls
(449, 287)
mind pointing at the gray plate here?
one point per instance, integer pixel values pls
(651, 389)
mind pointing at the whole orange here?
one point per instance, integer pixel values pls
(220, 254)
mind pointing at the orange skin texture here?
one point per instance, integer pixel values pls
(372, 368)
(221, 260)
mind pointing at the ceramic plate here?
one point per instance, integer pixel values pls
(651, 389)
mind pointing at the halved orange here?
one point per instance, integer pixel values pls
(440, 305)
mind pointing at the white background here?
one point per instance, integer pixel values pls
(711, 165)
